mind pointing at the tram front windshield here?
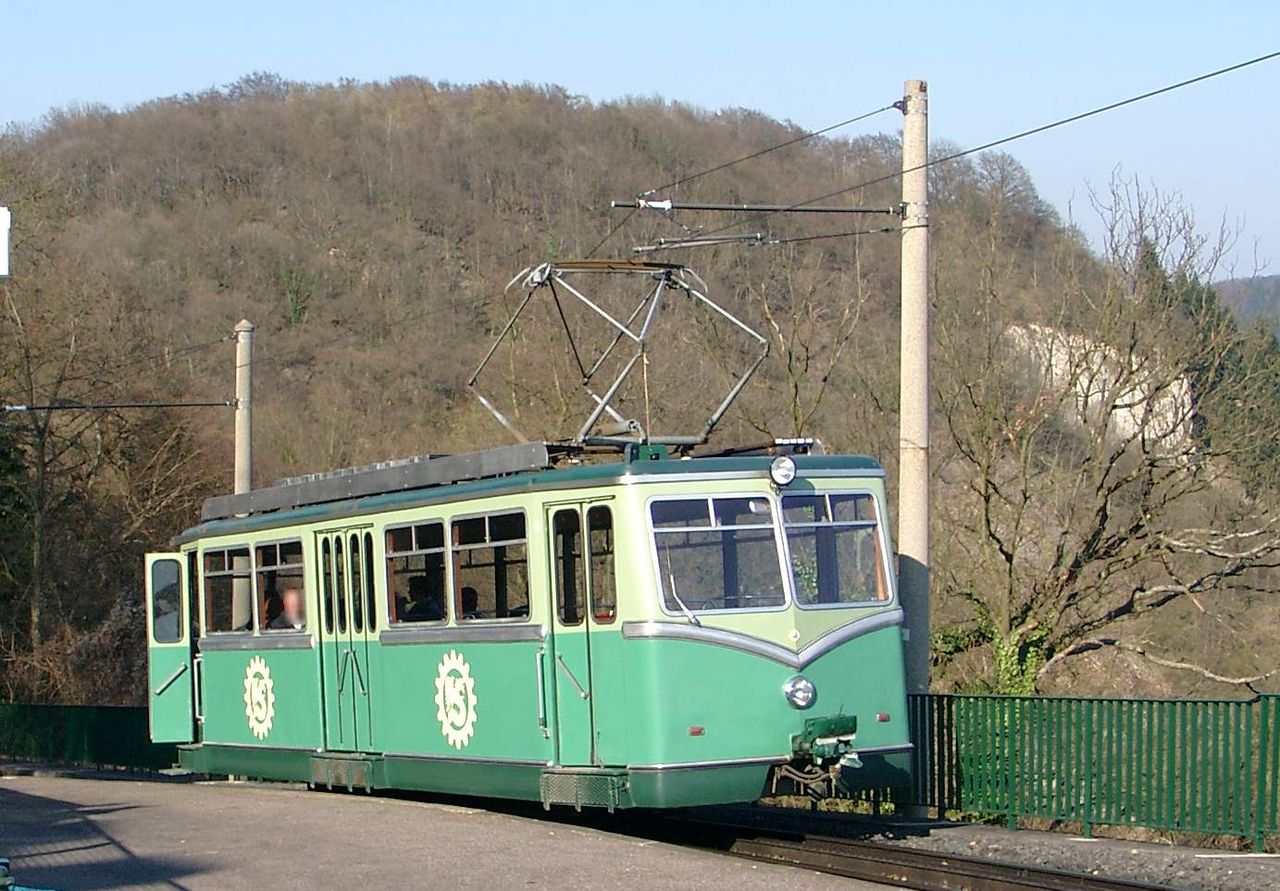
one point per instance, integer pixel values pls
(726, 553)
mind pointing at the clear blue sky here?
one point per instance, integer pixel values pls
(993, 68)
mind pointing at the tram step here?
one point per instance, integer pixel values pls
(585, 788)
(351, 771)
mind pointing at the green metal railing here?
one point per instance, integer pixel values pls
(117, 736)
(1200, 766)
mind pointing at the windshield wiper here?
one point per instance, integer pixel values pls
(693, 620)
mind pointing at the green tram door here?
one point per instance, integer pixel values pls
(583, 587)
(348, 634)
(169, 663)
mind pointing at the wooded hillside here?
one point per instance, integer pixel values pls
(1253, 298)
(1085, 540)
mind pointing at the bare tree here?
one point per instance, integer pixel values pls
(1100, 465)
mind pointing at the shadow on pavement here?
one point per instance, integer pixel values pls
(57, 844)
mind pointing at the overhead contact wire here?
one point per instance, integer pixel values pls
(1005, 140)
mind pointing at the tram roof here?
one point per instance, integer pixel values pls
(437, 479)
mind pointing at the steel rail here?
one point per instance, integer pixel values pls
(923, 870)
(888, 864)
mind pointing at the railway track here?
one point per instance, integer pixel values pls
(923, 870)
(752, 835)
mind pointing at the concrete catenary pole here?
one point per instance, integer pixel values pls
(244, 406)
(913, 430)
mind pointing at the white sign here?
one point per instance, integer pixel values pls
(455, 699)
(5, 219)
(259, 697)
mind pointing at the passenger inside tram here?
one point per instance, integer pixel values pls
(292, 612)
(425, 604)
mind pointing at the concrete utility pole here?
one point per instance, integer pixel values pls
(913, 429)
(244, 406)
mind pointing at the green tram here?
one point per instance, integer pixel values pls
(522, 622)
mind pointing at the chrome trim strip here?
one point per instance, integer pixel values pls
(762, 474)
(275, 640)
(845, 633)
(650, 630)
(708, 765)
(448, 759)
(401, 636)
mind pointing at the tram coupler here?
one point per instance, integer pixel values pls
(825, 738)
(819, 752)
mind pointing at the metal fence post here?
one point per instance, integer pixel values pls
(1008, 710)
(1089, 737)
(1261, 777)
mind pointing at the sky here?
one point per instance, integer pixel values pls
(994, 68)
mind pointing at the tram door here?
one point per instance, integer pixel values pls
(582, 570)
(170, 668)
(348, 635)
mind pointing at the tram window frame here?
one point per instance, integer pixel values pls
(705, 524)
(823, 590)
(267, 579)
(424, 539)
(602, 563)
(326, 583)
(472, 534)
(340, 592)
(169, 594)
(359, 589)
(191, 598)
(218, 564)
(371, 588)
(570, 574)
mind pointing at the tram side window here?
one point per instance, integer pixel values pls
(326, 584)
(166, 601)
(359, 586)
(835, 549)
(415, 573)
(371, 608)
(491, 567)
(571, 590)
(717, 553)
(228, 590)
(193, 592)
(281, 587)
(604, 586)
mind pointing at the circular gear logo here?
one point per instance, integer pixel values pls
(455, 699)
(259, 697)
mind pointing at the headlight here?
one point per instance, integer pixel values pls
(783, 470)
(800, 691)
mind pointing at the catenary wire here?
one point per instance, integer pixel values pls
(852, 234)
(167, 355)
(1006, 139)
(71, 405)
(764, 151)
(727, 164)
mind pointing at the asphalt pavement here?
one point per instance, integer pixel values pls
(69, 833)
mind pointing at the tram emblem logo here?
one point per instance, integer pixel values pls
(259, 697)
(455, 699)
